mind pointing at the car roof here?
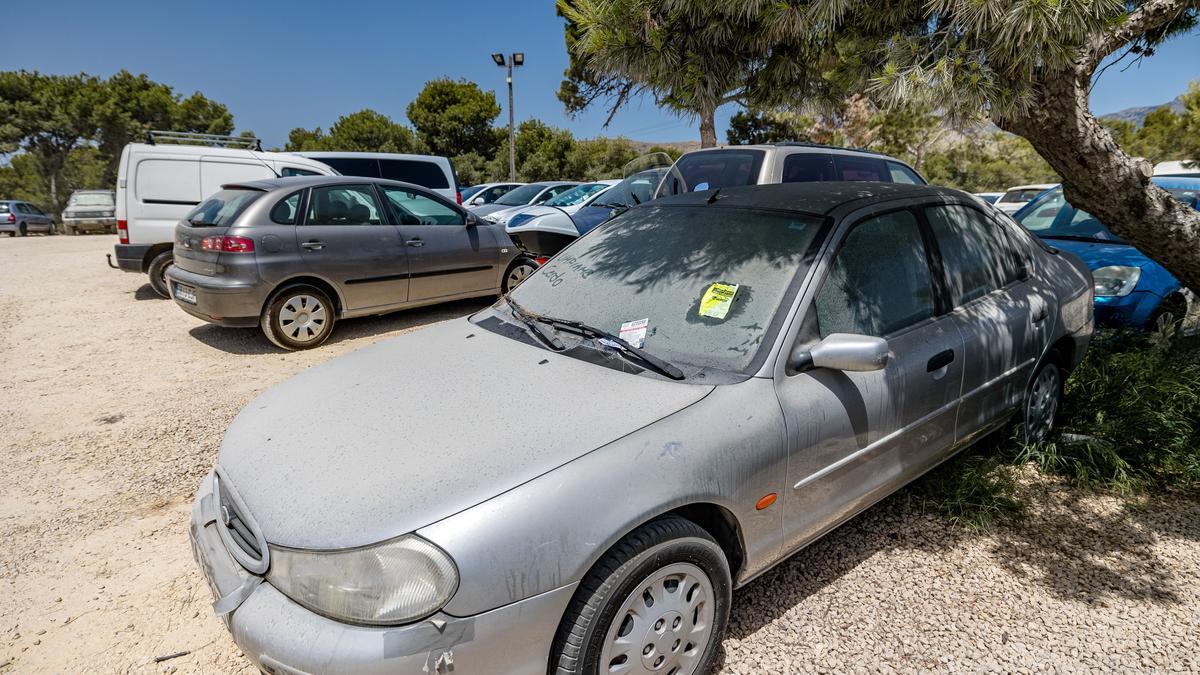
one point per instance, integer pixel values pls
(814, 198)
(297, 182)
(372, 155)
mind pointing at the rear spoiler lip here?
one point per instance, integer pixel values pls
(241, 186)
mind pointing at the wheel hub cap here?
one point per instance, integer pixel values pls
(302, 318)
(664, 625)
(1042, 404)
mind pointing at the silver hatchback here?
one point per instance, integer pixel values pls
(711, 382)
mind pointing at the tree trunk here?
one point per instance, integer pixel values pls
(1098, 177)
(708, 128)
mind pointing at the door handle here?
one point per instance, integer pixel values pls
(415, 242)
(940, 360)
(313, 245)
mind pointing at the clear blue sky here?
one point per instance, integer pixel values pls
(304, 63)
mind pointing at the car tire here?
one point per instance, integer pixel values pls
(158, 273)
(21, 231)
(1042, 401)
(298, 317)
(677, 577)
(1173, 308)
(517, 271)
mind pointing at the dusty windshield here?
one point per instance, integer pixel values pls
(697, 286)
(91, 199)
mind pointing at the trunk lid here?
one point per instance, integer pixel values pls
(190, 254)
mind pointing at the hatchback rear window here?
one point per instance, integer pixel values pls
(221, 209)
(3, 208)
(712, 169)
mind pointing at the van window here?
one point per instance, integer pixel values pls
(712, 169)
(293, 171)
(425, 174)
(353, 166)
(808, 167)
(167, 181)
(854, 168)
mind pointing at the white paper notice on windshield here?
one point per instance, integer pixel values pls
(634, 332)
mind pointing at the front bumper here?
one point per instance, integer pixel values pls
(225, 302)
(1130, 311)
(90, 223)
(280, 636)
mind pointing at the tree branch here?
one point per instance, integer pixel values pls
(1148, 16)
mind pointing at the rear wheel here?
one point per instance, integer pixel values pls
(657, 602)
(298, 317)
(158, 273)
(1041, 403)
(21, 231)
(518, 271)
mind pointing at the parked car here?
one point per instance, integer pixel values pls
(428, 171)
(160, 181)
(1178, 169)
(90, 211)
(637, 188)
(788, 162)
(18, 218)
(1131, 289)
(294, 255)
(486, 193)
(551, 219)
(564, 203)
(1019, 195)
(708, 383)
(526, 195)
(989, 197)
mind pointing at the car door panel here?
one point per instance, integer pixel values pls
(363, 256)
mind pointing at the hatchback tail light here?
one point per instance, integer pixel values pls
(123, 231)
(227, 244)
(10, 219)
(541, 261)
(458, 196)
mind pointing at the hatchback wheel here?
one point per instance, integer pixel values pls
(299, 317)
(656, 603)
(1041, 404)
(21, 231)
(517, 272)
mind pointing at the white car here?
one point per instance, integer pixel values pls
(567, 202)
(486, 193)
(1183, 168)
(989, 197)
(1019, 195)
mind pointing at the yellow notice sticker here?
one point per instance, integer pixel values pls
(717, 300)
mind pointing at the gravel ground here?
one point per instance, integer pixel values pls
(113, 402)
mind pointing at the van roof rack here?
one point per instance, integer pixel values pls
(824, 146)
(154, 136)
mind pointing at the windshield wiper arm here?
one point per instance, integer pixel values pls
(655, 363)
(534, 324)
(1080, 237)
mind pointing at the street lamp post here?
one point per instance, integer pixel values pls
(516, 59)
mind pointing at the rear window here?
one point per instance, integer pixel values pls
(3, 208)
(91, 199)
(1020, 195)
(713, 169)
(221, 209)
(425, 174)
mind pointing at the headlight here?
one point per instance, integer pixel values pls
(395, 582)
(1116, 280)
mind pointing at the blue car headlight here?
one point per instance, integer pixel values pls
(1116, 280)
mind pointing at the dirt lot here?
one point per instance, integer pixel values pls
(113, 402)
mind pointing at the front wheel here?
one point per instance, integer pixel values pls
(158, 273)
(518, 271)
(657, 602)
(298, 317)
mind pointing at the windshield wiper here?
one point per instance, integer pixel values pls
(623, 347)
(534, 324)
(1080, 237)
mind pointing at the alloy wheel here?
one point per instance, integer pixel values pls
(1042, 404)
(303, 318)
(664, 625)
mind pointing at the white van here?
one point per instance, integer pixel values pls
(160, 181)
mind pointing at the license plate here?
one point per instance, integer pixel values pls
(185, 293)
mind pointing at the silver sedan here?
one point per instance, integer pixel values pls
(709, 382)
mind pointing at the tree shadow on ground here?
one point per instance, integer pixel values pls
(1076, 545)
(252, 342)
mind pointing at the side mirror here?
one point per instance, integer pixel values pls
(843, 351)
(472, 220)
(475, 201)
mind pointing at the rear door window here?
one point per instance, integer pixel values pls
(977, 254)
(903, 174)
(713, 169)
(425, 174)
(808, 167)
(343, 205)
(854, 168)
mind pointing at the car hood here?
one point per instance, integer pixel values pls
(1102, 254)
(487, 209)
(394, 437)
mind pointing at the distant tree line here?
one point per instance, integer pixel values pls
(66, 132)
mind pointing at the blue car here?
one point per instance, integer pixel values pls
(1132, 290)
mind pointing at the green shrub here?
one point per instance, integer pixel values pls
(976, 490)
